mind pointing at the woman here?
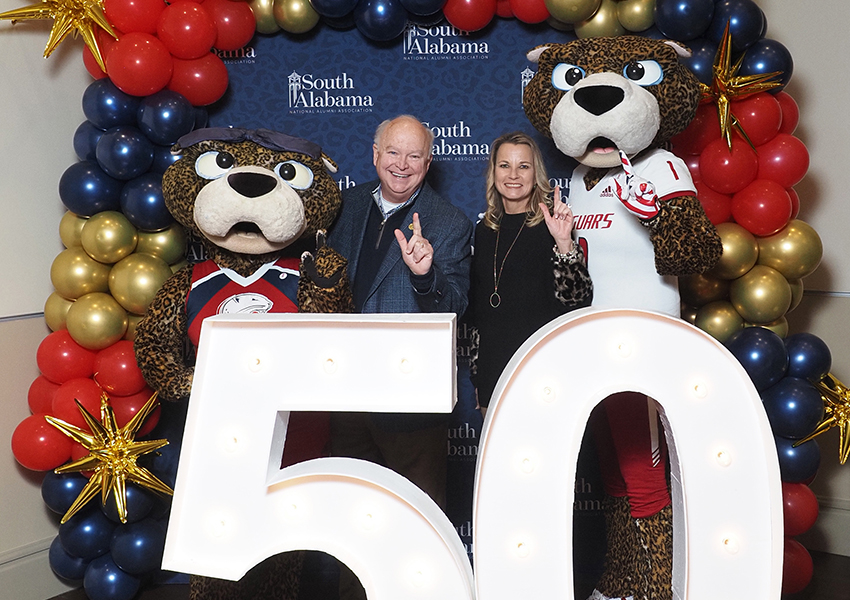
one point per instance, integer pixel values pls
(526, 269)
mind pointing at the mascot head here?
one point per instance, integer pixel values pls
(596, 96)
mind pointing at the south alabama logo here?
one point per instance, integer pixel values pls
(441, 42)
(309, 93)
(456, 142)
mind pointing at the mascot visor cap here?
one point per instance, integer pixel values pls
(273, 140)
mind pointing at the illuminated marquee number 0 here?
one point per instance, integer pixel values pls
(233, 507)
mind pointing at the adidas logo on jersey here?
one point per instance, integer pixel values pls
(608, 192)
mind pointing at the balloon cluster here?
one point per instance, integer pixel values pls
(785, 373)
(171, 46)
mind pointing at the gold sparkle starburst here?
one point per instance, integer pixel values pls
(113, 452)
(727, 86)
(836, 407)
(77, 16)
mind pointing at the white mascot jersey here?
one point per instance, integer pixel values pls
(620, 256)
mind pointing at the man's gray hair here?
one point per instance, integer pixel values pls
(429, 135)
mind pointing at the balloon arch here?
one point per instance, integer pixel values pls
(155, 77)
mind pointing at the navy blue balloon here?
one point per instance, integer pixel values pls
(162, 159)
(762, 354)
(746, 23)
(139, 504)
(701, 61)
(652, 33)
(63, 564)
(124, 152)
(143, 205)
(85, 189)
(768, 56)
(166, 116)
(380, 20)
(433, 20)
(87, 534)
(86, 138)
(423, 7)
(163, 462)
(104, 580)
(683, 20)
(202, 117)
(334, 9)
(808, 357)
(793, 406)
(137, 547)
(59, 491)
(343, 23)
(106, 106)
(800, 464)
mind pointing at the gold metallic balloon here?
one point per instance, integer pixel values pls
(56, 311)
(108, 236)
(740, 251)
(295, 16)
(168, 244)
(70, 227)
(264, 16)
(135, 280)
(603, 23)
(796, 293)
(132, 323)
(779, 326)
(698, 290)
(572, 11)
(761, 296)
(688, 313)
(75, 273)
(96, 321)
(179, 265)
(636, 15)
(719, 319)
(559, 25)
(795, 251)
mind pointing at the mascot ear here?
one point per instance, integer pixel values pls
(533, 55)
(329, 164)
(680, 49)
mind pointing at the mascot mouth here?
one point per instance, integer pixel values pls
(601, 145)
(246, 228)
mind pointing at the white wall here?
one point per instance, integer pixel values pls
(40, 108)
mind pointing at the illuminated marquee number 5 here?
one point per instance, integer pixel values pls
(233, 507)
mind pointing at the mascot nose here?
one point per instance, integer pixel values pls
(598, 99)
(251, 185)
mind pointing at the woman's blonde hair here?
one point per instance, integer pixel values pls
(542, 190)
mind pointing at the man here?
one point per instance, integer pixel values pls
(408, 251)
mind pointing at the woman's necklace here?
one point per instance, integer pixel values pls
(495, 298)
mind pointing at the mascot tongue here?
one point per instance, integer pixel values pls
(601, 145)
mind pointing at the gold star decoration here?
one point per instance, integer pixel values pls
(113, 452)
(836, 406)
(78, 16)
(727, 86)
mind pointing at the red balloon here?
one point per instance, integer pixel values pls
(202, 81)
(139, 64)
(529, 11)
(116, 370)
(762, 208)
(797, 568)
(503, 9)
(105, 43)
(125, 407)
(717, 206)
(40, 395)
(470, 15)
(84, 390)
(760, 116)
(187, 30)
(795, 202)
(38, 445)
(790, 112)
(705, 128)
(692, 161)
(60, 358)
(800, 508)
(727, 171)
(783, 159)
(234, 21)
(133, 15)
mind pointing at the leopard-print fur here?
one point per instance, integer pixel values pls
(655, 537)
(276, 578)
(573, 287)
(685, 241)
(620, 575)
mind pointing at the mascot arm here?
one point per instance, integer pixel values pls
(324, 286)
(160, 338)
(685, 241)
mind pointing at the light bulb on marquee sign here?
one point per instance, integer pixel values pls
(728, 535)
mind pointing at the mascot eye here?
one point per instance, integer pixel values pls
(565, 76)
(295, 174)
(644, 72)
(214, 164)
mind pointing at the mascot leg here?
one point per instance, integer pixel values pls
(655, 536)
(276, 578)
(620, 575)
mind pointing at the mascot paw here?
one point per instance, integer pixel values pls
(324, 286)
